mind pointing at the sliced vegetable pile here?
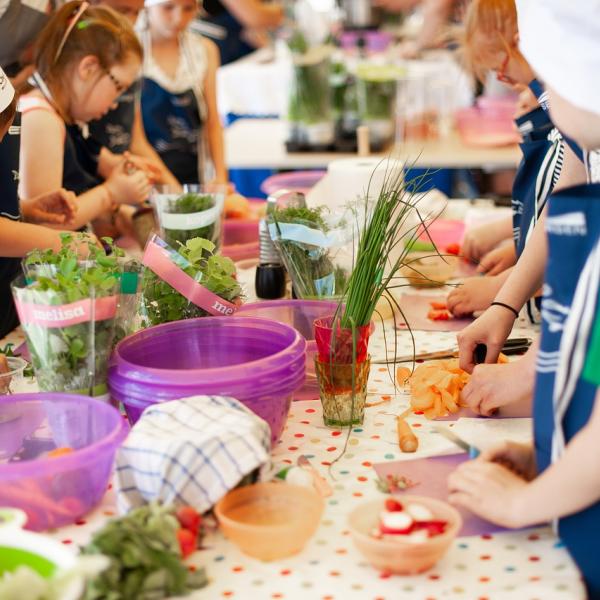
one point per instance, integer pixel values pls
(413, 521)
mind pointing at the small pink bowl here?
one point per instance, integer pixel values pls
(402, 556)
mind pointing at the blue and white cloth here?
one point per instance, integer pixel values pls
(190, 451)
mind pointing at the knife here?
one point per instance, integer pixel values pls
(455, 439)
(512, 346)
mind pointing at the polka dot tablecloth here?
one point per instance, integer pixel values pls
(525, 565)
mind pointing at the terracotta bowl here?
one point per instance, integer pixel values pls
(402, 556)
(271, 520)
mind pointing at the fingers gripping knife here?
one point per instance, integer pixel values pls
(270, 272)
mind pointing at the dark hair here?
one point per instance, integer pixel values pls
(99, 31)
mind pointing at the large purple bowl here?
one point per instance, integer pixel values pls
(59, 490)
(258, 361)
(301, 315)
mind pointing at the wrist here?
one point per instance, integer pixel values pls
(109, 201)
(506, 307)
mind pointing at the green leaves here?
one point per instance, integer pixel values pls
(144, 557)
(187, 204)
(163, 304)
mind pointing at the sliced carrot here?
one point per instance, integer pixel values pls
(59, 452)
(403, 375)
(438, 305)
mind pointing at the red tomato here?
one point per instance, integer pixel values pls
(453, 249)
(189, 518)
(392, 505)
(187, 542)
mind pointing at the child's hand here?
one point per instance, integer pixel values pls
(475, 294)
(489, 490)
(480, 240)
(140, 163)
(128, 187)
(519, 458)
(494, 386)
(492, 329)
(57, 208)
(498, 260)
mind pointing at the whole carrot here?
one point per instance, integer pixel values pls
(407, 440)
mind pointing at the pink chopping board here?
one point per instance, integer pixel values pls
(432, 475)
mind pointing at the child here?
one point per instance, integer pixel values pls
(121, 129)
(85, 58)
(16, 238)
(490, 44)
(179, 105)
(559, 479)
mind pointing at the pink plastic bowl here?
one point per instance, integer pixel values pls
(56, 491)
(479, 127)
(300, 314)
(300, 181)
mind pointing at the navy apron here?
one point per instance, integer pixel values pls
(231, 44)
(9, 209)
(563, 400)
(173, 126)
(542, 97)
(113, 130)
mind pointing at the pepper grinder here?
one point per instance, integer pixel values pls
(270, 279)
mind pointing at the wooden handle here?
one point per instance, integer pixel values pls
(362, 140)
(407, 440)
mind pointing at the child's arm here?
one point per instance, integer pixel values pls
(41, 170)
(493, 327)
(253, 13)
(479, 240)
(17, 238)
(214, 129)
(566, 487)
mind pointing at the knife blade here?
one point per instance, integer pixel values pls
(512, 346)
(455, 439)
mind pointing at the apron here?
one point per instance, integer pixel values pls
(9, 209)
(173, 123)
(542, 97)
(536, 176)
(113, 131)
(563, 400)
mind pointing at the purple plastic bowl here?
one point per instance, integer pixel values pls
(300, 314)
(258, 361)
(56, 491)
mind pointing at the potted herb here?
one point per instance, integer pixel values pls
(376, 95)
(67, 310)
(342, 362)
(309, 110)
(316, 249)
(201, 270)
(194, 214)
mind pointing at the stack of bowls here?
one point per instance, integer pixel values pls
(258, 361)
(301, 315)
(56, 455)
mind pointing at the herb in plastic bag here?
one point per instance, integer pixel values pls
(187, 204)
(163, 304)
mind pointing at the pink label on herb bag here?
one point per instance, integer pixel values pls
(64, 315)
(157, 259)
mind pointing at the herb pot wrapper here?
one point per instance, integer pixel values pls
(319, 262)
(180, 222)
(69, 341)
(336, 344)
(168, 265)
(127, 320)
(191, 451)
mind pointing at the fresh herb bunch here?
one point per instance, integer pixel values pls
(187, 204)
(145, 558)
(312, 268)
(163, 304)
(385, 238)
(72, 358)
(377, 92)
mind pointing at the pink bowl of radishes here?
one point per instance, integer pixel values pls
(404, 536)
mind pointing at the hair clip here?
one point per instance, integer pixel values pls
(71, 24)
(83, 24)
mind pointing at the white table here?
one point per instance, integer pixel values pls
(259, 144)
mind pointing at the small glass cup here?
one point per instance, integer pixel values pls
(343, 391)
(10, 379)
